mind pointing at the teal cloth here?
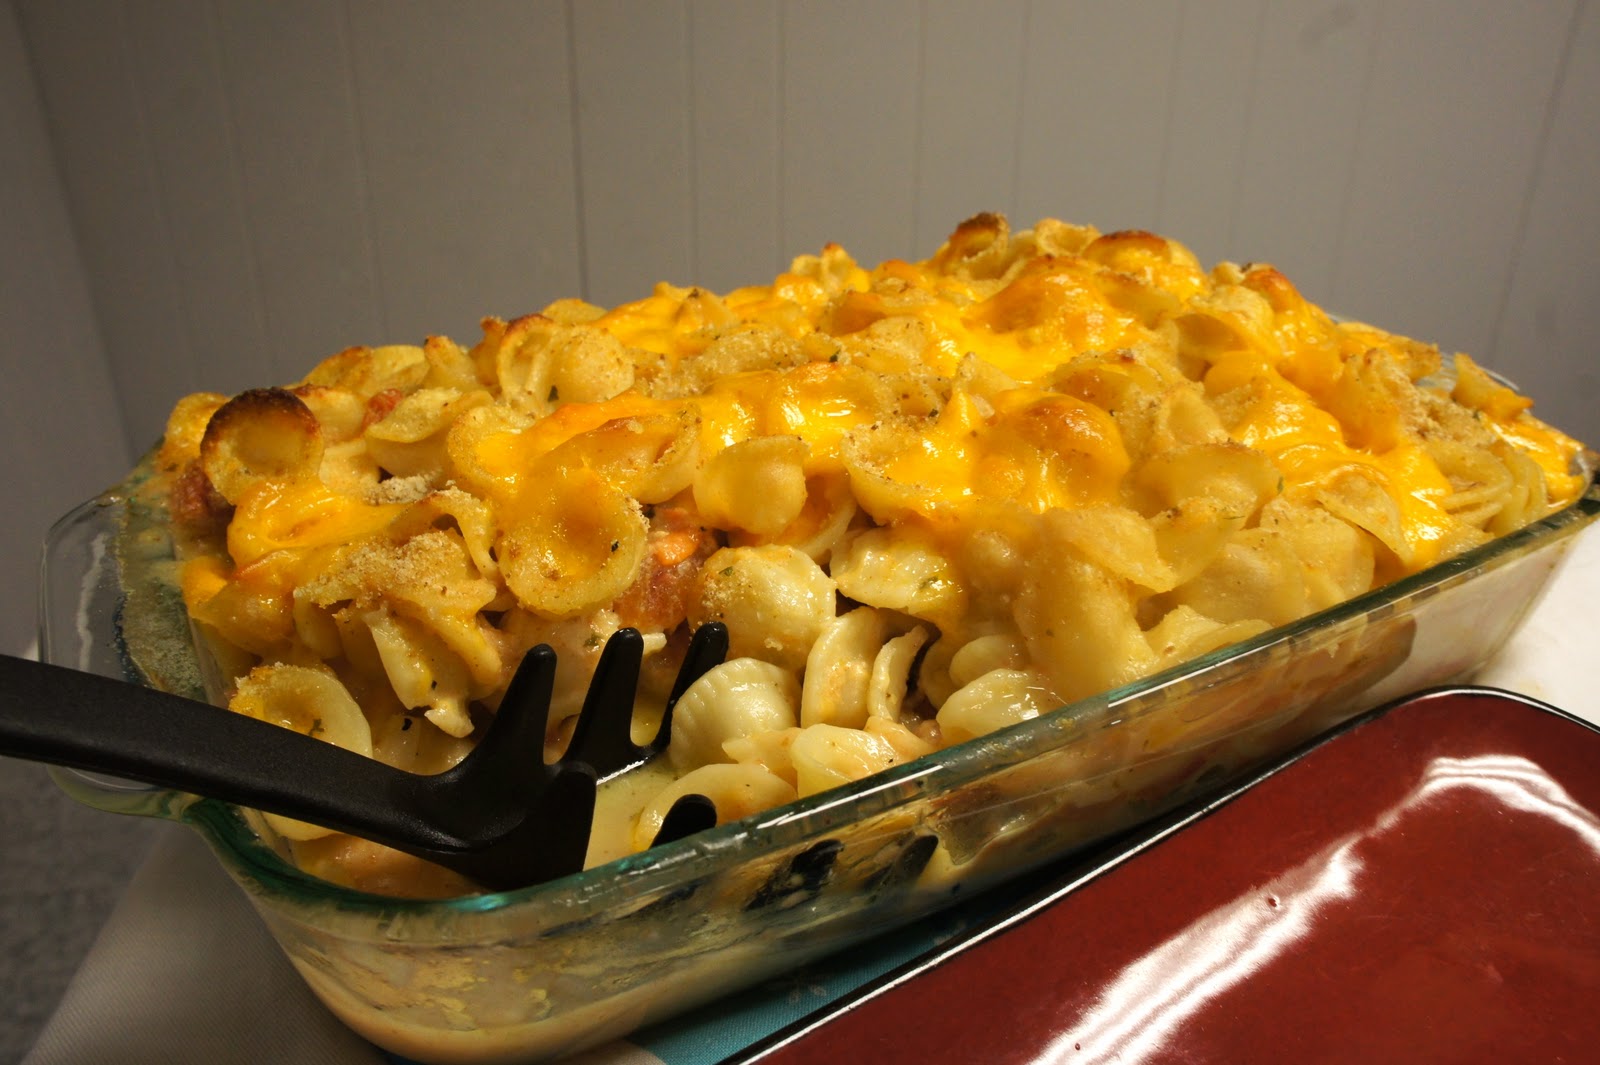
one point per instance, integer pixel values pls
(726, 1027)
(708, 1035)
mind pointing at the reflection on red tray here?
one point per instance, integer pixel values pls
(1423, 886)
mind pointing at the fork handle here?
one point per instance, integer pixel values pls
(65, 717)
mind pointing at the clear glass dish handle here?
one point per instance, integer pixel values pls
(80, 592)
(80, 607)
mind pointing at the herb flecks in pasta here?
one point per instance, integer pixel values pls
(929, 500)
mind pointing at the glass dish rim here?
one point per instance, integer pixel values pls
(229, 835)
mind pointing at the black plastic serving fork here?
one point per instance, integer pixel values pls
(503, 816)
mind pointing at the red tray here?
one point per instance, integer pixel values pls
(1421, 885)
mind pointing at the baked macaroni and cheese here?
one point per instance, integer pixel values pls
(928, 500)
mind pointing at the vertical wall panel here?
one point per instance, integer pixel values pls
(60, 431)
(256, 185)
(1291, 188)
(287, 72)
(80, 56)
(850, 75)
(466, 125)
(633, 146)
(1096, 111)
(1443, 161)
(1548, 339)
(177, 70)
(734, 115)
(1212, 85)
(971, 95)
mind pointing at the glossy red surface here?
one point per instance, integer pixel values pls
(1422, 888)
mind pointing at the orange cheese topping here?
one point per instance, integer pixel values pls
(1031, 467)
(1117, 292)
(1246, 334)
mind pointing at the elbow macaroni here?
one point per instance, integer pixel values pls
(929, 500)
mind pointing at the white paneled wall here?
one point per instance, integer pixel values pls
(61, 435)
(257, 184)
(1548, 327)
(465, 122)
(1437, 185)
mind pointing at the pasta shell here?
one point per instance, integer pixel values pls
(891, 674)
(262, 434)
(985, 653)
(839, 669)
(824, 519)
(368, 371)
(899, 570)
(424, 673)
(411, 439)
(758, 485)
(736, 789)
(738, 698)
(574, 543)
(999, 698)
(774, 600)
(827, 756)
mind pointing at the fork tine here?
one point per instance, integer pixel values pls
(690, 814)
(536, 815)
(553, 804)
(502, 815)
(511, 754)
(603, 737)
(707, 648)
(550, 839)
(506, 771)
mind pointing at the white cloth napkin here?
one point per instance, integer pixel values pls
(184, 972)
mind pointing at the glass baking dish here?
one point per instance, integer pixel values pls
(548, 970)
